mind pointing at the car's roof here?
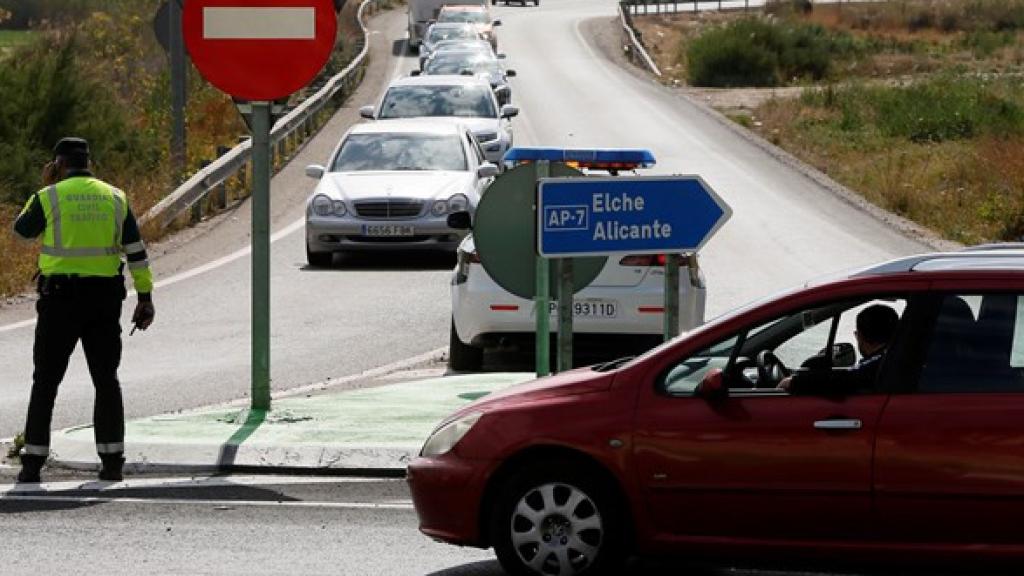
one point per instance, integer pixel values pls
(467, 44)
(1001, 257)
(464, 52)
(463, 8)
(440, 80)
(986, 257)
(443, 25)
(431, 125)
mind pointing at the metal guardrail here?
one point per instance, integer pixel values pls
(632, 43)
(297, 123)
(648, 7)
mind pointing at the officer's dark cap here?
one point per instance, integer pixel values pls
(71, 146)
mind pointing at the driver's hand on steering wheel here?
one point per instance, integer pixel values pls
(785, 383)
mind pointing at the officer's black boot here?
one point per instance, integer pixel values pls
(112, 464)
(31, 464)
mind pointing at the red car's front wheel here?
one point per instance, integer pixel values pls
(553, 518)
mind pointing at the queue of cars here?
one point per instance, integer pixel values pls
(396, 203)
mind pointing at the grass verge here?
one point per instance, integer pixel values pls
(948, 154)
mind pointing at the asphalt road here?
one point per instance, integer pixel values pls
(373, 311)
(246, 526)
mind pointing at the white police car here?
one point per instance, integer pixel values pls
(622, 308)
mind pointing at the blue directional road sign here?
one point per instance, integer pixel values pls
(628, 215)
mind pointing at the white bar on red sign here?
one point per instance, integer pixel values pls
(243, 23)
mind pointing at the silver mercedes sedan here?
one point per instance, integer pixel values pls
(391, 185)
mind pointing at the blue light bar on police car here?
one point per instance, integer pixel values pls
(614, 158)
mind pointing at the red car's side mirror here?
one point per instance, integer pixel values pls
(712, 386)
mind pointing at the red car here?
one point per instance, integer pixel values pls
(762, 437)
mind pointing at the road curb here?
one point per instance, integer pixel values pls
(76, 454)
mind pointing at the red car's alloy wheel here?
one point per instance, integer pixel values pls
(556, 520)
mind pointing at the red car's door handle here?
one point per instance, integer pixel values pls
(838, 424)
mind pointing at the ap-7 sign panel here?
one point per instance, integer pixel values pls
(627, 215)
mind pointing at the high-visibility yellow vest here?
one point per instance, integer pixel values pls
(84, 220)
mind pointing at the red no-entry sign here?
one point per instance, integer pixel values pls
(259, 49)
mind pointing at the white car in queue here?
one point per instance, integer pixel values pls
(392, 185)
(468, 98)
(622, 309)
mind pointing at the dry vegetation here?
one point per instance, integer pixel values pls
(920, 108)
(968, 190)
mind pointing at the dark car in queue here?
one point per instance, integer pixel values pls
(472, 63)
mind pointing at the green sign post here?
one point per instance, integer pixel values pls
(541, 299)
(261, 255)
(671, 296)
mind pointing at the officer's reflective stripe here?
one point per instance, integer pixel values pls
(51, 192)
(134, 247)
(109, 447)
(118, 216)
(36, 450)
(138, 265)
(79, 252)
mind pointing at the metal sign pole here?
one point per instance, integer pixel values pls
(671, 296)
(565, 292)
(261, 255)
(540, 306)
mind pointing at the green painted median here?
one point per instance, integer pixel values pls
(396, 415)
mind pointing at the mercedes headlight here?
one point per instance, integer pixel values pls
(458, 203)
(446, 437)
(439, 208)
(322, 205)
(339, 208)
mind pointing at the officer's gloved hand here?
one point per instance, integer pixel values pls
(144, 314)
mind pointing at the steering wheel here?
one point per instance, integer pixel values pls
(770, 370)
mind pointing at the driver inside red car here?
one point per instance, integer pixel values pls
(876, 325)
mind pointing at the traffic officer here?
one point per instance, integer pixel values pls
(85, 224)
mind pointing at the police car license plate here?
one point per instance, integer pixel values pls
(598, 308)
(388, 230)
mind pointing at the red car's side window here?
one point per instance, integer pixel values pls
(976, 345)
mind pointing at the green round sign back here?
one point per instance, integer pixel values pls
(504, 230)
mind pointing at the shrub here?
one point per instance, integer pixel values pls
(733, 56)
(754, 52)
(44, 96)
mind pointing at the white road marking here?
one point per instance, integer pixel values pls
(226, 504)
(192, 482)
(16, 325)
(247, 23)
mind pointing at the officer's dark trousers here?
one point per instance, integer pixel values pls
(72, 310)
